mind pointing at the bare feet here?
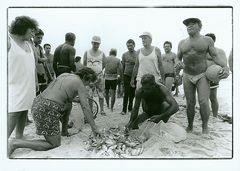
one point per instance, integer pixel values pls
(205, 131)
(189, 129)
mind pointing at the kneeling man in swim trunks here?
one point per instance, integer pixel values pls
(157, 103)
(193, 51)
(49, 107)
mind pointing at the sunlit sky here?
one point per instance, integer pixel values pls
(116, 25)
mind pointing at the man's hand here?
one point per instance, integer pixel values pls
(155, 118)
(179, 66)
(224, 73)
(132, 83)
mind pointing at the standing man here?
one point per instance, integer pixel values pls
(149, 61)
(49, 62)
(94, 58)
(193, 51)
(169, 59)
(41, 60)
(112, 73)
(128, 62)
(221, 55)
(63, 60)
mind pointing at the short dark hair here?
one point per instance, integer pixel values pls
(46, 44)
(20, 25)
(212, 36)
(147, 79)
(77, 58)
(113, 52)
(87, 74)
(167, 42)
(38, 31)
(69, 37)
(131, 41)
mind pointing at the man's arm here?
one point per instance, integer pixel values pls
(103, 61)
(134, 113)
(135, 70)
(160, 67)
(72, 53)
(230, 61)
(55, 59)
(123, 63)
(219, 58)
(85, 59)
(179, 64)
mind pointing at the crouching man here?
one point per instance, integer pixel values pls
(157, 103)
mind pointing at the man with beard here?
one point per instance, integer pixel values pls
(157, 103)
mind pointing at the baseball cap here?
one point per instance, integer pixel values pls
(194, 20)
(96, 39)
(146, 34)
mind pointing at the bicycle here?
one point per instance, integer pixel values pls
(92, 103)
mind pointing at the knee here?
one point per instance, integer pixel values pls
(191, 102)
(203, 101)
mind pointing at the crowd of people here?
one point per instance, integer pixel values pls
(47, 83)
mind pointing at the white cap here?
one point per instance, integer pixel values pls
(146, 34)
(96, 39)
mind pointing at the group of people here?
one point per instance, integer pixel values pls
(47, 84)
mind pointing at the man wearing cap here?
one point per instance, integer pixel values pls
(113, 71)
(149, 61)
(94, 58)
(193, 52)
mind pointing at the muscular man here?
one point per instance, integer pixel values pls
(49, 62)
(193, 51)
(112, 73)
(214, 85)
(128, 62)
(48, 109)
(168, 65)
(63, 60)
(94, 59)
(157, 103)
(149, 61)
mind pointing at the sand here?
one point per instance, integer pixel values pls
(161, 144)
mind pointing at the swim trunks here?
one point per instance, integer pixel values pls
(194, 78)
(111, 84)
(169, 75)
(46, 115)
(214, 84)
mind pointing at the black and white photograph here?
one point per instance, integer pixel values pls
(98, 83)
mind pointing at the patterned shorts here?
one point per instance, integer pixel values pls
(46, 115)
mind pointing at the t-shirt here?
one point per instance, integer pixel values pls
(128, 62)
(95, 62)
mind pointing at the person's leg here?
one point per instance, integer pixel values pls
(176, 91)
(131, 97)
(113, 92)
(203, 90)
(21, 122)
(169, 82)
(190, 93)
(126, 82)
(12, 122)
(214, 101)
(65, 119)
(50, 142)
(107, 97)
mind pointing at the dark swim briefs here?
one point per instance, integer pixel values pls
(46, 115)
(214, 85)
(169, 75)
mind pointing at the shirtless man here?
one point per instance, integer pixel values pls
(169, 59)
(64, 54)
(49, 107)
(94, 59)
(113, 71)
(149, 61)
(214, 85)
(193, 51)
(157, 103)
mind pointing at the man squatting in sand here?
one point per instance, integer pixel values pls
(157, 103)
(48, 109)
(193, 51)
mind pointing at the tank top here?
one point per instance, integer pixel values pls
(95, 62)
(148, 65)
(21, 78)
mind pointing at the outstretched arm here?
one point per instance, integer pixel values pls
(85, 59)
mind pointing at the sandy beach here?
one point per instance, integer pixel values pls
(161, 142)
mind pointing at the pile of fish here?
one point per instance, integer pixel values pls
(115, 143)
